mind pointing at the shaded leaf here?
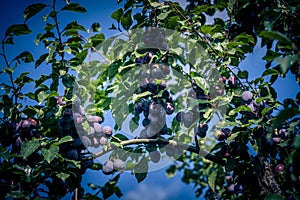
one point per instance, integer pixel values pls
(126, 20)
(97, 39)
(272, 196)
(33, 9)
(273, 35)
(286, 62)
(268, 72)
(41, 59)
(141, 169)
(17, 29)
(285, 115)
(96, 27)
(75, 7)
(25, 57)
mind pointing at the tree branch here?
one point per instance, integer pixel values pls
(190, 148)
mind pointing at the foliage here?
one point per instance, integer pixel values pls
(167, 76)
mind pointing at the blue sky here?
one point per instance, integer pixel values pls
(156, 186)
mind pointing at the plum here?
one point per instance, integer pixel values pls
(108, 167)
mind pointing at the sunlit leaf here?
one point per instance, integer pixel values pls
(117, 15)
(49, 154)
(29, 147)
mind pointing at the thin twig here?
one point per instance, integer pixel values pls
(96, 50)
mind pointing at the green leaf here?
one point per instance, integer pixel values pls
(41, 59)
(33, 9)
(270, 71)
(75, 7)
(273, 35)
(243, 74)
(17, 29)
(297, 142)
(239, 109)
(285, 115)
(25, 57)
(270, 55)
(97, 39)
(68, 80)
(117, 15)
(9, 40)
(49, 154)
(163, 16)
(141, 169)
(212, 180)
(136, 97)
(29, 147)
(23, 78)
(272, 196)
(126, 20)
(171, 171)
(113, 69)
(62, 176)
(65, 139)
(96, 27)
(286, 62)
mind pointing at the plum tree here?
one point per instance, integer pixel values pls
(173, 81)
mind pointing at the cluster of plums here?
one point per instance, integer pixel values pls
(111, 165)
(255, 107)
(155, 38)
(154, 109)
(17, 132)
